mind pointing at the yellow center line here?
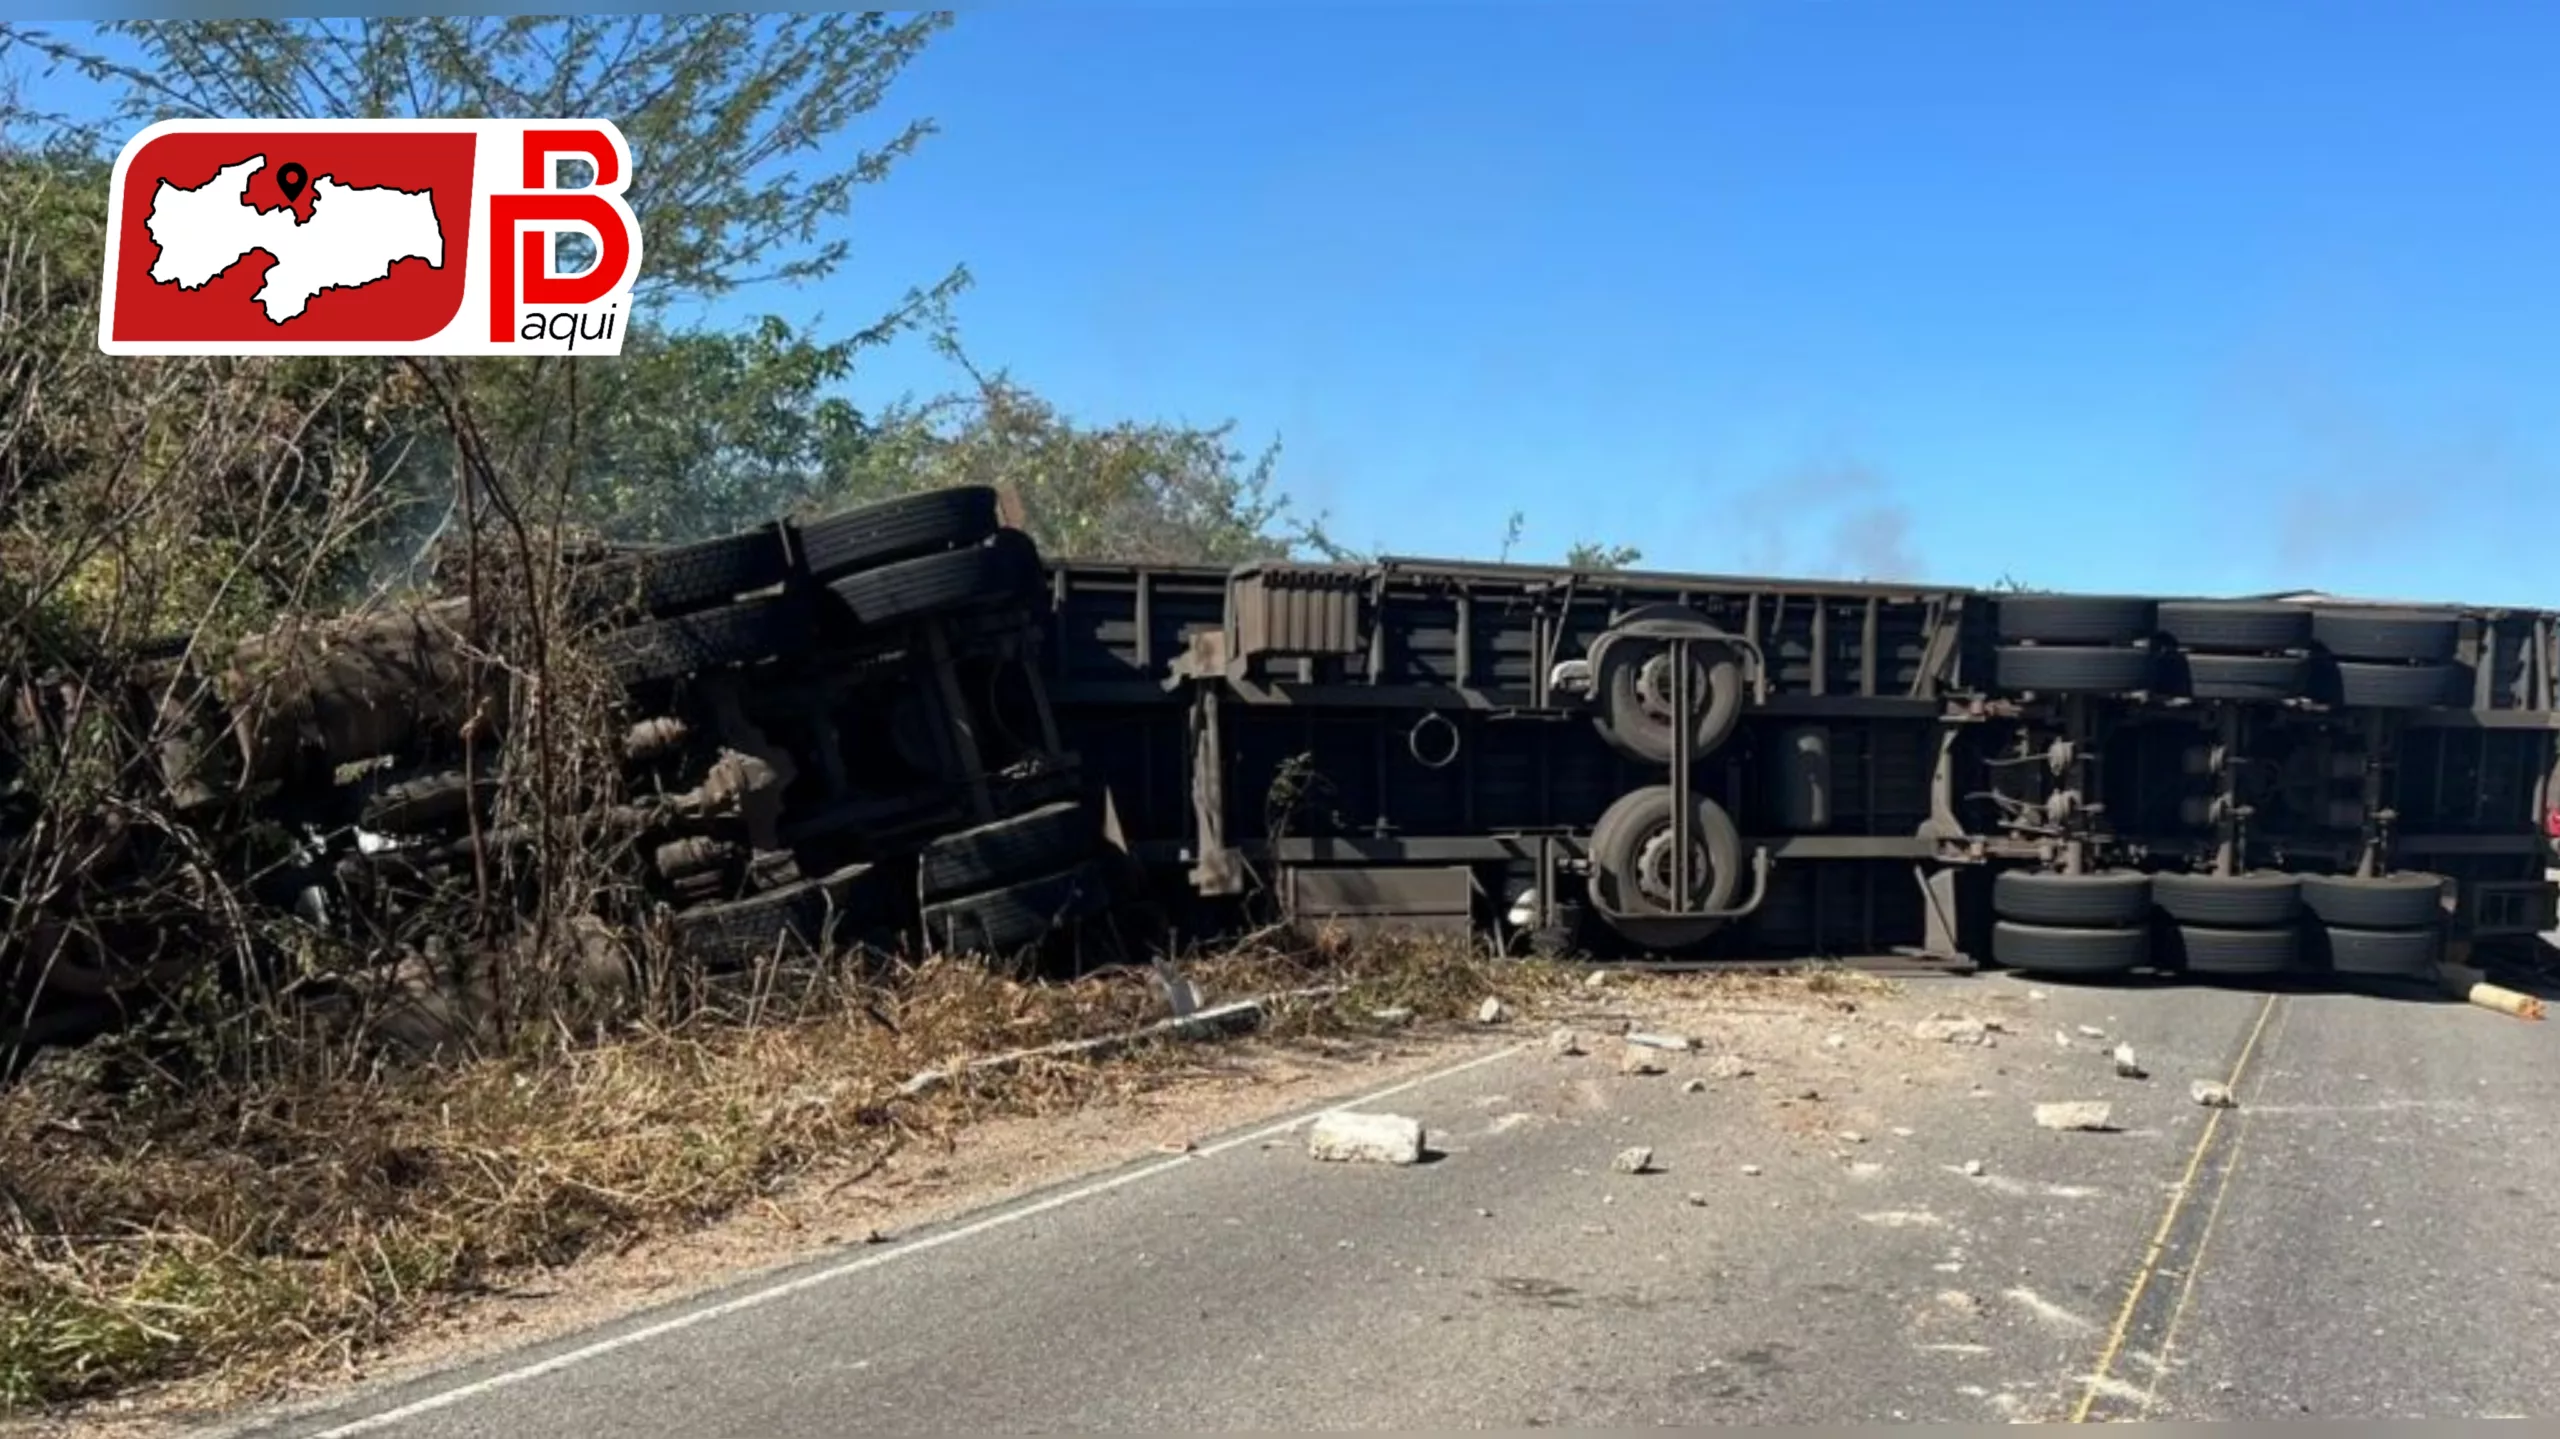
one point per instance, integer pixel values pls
(2099, 1378)
(2195, 1260)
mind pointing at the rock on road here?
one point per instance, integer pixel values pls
(2363, 1236)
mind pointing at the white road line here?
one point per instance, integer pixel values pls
(597, 1350)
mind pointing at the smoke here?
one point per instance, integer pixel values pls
(1830, 520)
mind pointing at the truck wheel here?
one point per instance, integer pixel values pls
(672, 649)
(1040, 841)
(1002, 571)
(811, 912)
(2398, 636)
(2214, 950)
(2107, 899)
(2061, 950)
(681, 579)
(2376, 953)
(2235, 627)
(1635, 684)
(2072, 669)
(2387, 901)
(1000, 924)
(892, 530)
(2239, 677)
(2074, 619)
(2362, 684)
(2238, 901)
(1631, 854)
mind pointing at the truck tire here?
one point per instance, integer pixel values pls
(681, 579)
(1631, 842)
(2387, 636)
(2363, 684)
(2235, 627)
(1002, 571)
(2061, 950)
(2235, 953)
(2073, 669)
(2376, 953)
(2240, 677)
(2234, 901)
(2387, 901)
(999, 924)
(671, 649)
(888, 531)
(1635, 700)
(1041, 841)
(811, 912)
(2108, 899)
(2074, 619)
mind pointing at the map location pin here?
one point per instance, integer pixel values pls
(290, 179)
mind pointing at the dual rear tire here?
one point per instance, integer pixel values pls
(2255, 926)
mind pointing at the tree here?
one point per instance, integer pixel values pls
(742, 174)
(1590, 555)
(1142, 492)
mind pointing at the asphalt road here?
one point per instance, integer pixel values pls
(2366, 1236)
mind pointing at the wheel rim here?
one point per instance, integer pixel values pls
(1654, 683)
(1654, 877)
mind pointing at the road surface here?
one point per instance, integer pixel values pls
(2366, 1235)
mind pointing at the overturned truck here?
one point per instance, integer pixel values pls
(900, 727)
(1714, 769)
(829, 732)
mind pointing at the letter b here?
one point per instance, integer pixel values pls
(530, 218)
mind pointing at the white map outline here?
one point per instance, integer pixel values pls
(355, 235)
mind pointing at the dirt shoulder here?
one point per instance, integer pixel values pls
(1029, 1133)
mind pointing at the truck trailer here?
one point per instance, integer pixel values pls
(1708, 769)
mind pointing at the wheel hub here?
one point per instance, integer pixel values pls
(1655, 684)
(1654, 865)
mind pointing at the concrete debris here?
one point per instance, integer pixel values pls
(1635, 1160)
(1693, 1086)
(1729, 1066)
(2076, 1114)
(2213, 1094)
(1345, 1137)
(1639, 1060)
(2127, 1067)
(1677, 1043)
(1565, 1041)
(1751, 1170)
(2061, 1040)
(1973, 1169)
(1492, 1011)
(1949, 1029)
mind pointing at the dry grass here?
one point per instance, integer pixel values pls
(246, 1231)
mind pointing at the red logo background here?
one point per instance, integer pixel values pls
(417, 301)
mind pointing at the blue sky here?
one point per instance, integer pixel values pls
(2168, 296)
